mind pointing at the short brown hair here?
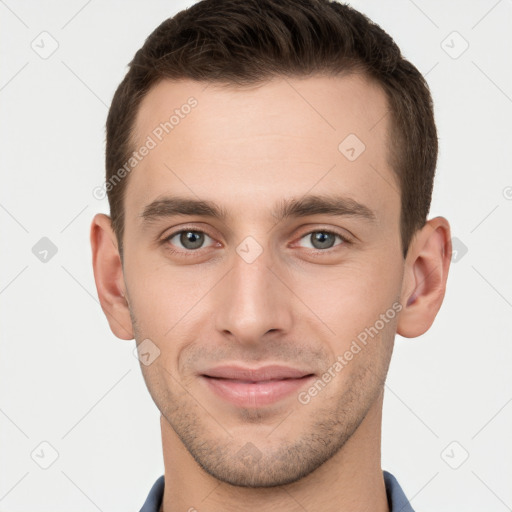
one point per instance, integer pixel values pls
(245, 42)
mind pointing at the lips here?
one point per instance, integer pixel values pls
(246, 387)
(265, 373)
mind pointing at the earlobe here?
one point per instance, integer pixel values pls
(425, 276)
(108, 275)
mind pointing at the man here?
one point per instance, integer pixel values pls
(269, 172)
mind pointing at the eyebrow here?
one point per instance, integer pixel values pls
(170, 206)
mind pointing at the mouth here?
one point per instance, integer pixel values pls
(253, 388)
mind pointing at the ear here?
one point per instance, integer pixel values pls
(108, 274)
(425, 275)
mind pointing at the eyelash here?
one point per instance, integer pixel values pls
(190, 252)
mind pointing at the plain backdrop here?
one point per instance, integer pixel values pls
(71, 394)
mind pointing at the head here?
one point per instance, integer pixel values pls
(277, 215)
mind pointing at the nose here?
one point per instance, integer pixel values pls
(253, 300)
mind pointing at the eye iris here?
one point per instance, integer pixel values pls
(191, 239)
(322, 240)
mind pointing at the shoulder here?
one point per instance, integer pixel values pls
(154, 500)
(398, 501)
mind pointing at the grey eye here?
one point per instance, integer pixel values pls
(322, 239)
(189, 239)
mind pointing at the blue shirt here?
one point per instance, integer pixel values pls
(397, 500)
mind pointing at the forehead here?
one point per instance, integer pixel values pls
(248, 145)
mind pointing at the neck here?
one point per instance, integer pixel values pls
(351, 480)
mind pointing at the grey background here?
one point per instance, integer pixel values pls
(67, 381)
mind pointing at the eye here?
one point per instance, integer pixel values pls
(323, 239)
(190, 239)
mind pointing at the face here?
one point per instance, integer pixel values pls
(302, 270)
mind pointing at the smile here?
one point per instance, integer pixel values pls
(251, 393)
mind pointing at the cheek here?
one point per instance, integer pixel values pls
(151, 304)
(165, 300)
(360, 299)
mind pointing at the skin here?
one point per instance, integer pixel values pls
(247, 149)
